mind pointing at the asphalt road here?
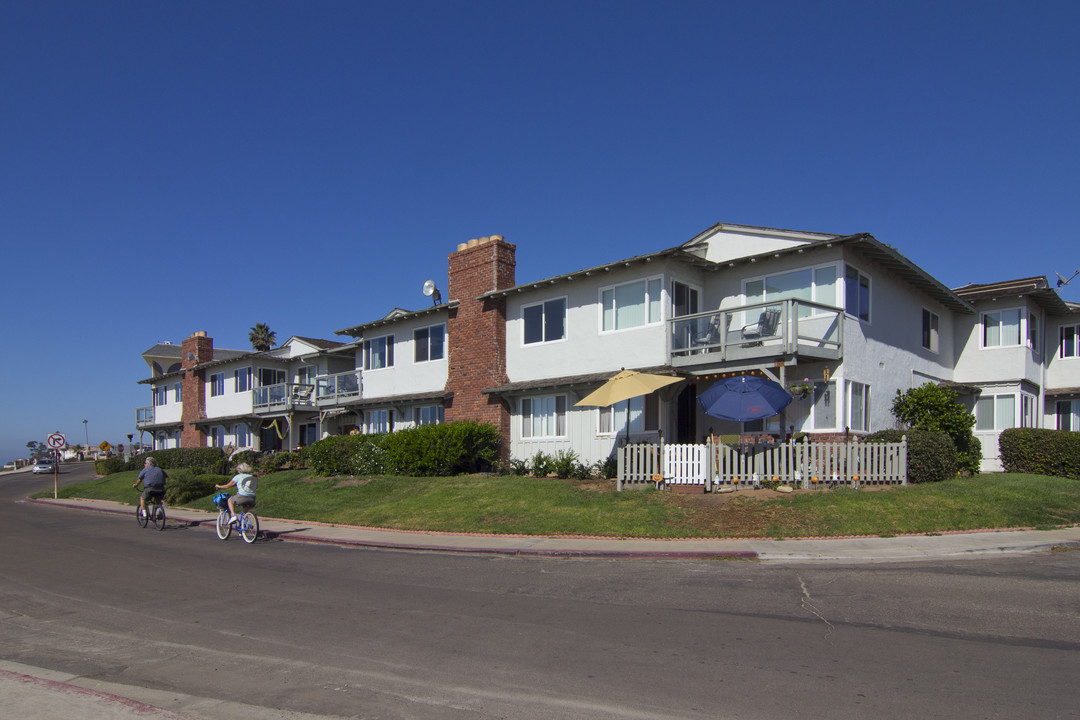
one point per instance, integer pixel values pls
(227, 630)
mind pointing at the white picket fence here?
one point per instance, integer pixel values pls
(803, 465)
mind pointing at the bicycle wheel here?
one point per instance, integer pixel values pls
(249, 527)
(224, 529)
(158, 516)
(142, 516)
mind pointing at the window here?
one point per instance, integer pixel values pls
(242, 378)
(428, 415)
(1033, 332)
(217, 385)
(378, 421)
(824, 410)
(217, 433)
(859, 404)
(1027, 411)
(306, 434)
(178, 392)
(544, 322)
(305, 374)
(1001, 328)
(243, 436)
(160, 396)
(1068, 415)
(930, 330)
(379, 353)
(269, 376)
(1069, 347)
(543, 417)
(429, 343)
(857, 294)
(995, 412)
(632, 304)
(644, 413)
(685, 300)
(817, 284)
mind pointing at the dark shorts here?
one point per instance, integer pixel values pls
(244, 501)
(152, 493)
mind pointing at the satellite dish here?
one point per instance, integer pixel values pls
(1063, 281)
(432, 292)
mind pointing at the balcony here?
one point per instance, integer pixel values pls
(788, 329)
(144, 417)
(283, 397)
(332, 389)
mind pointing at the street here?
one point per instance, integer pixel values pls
(355, 633)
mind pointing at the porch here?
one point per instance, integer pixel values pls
(713, 466)
(282, 397)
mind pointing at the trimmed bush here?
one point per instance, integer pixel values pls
(931, 455)
(200, 460)
(183, 486)
(1040, 452)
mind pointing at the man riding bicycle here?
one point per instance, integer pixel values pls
(153, 479)
(245, 484)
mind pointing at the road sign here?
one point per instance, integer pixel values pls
(56, 441)
(105, 446)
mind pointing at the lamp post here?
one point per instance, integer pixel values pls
(87, 434)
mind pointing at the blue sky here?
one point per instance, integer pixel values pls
(170, 167)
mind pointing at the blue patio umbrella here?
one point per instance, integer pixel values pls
(744, 397)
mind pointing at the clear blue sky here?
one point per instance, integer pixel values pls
(168, 167)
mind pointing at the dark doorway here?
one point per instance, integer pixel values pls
(686, 415)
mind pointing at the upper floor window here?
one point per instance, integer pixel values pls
(379, 352)
(1070, 341)
(242, 379)
(305, 374)
(160, 397)
(544, 321)
(217, 384)
(543, 417)
(1001, 328)
(814, 284)
(429, 343)
(930, 323)
(856, 294)
(1033, 332)
(685, 299)
(271, 376)
(178, 392)
(631, 304)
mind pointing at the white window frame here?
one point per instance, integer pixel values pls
(161, 395)
(378, 421)
(422, 345)
(1068, 415)
(858, 406)
(931, 331)
(863, 314)
(644, 416)
(1004, 407)
(652, 307)
(428, 415)
(178, 393)
(993, 322)
(380, 349)
(756, 289)
(243, 435)
(217, 384)
(543, 417)
(547, 309)
(217, 434)
(1069, 342)
(242, 379)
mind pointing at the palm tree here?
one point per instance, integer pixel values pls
(261, 337)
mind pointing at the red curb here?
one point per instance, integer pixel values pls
(108, 698)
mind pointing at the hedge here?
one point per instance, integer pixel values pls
(931, 454)
(1040, 452)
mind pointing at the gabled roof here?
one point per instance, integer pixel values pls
(396, 315)
(1036, 288)
(318, 343)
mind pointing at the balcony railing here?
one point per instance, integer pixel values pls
(144, 416)
(759, 331)
(331, 389)
(282, 396)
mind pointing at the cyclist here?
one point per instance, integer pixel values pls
(153, 479)
(245, 484)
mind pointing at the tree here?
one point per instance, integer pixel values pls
(935, 407)
(38, 451)
(261, 337)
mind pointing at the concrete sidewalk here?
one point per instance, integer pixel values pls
(844, 550)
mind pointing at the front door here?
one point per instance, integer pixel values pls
(686, 415)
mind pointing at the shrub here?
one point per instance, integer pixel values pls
(280, 460)
(184, 485)
(541, 464)
(110, 466)
(608, 468)
(581, 471)
(563, 463)
(931, 455)
(200, 460)
(935, 407)
(1041, 452)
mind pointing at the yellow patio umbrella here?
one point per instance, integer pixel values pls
(623, 386)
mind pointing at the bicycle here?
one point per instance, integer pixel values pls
(247, 521)
(155, 511)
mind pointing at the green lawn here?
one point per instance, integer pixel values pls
(529, 506)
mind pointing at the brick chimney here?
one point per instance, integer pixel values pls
(194, 351)
(477, 332)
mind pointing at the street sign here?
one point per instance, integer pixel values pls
(105, 446)
(56, 441)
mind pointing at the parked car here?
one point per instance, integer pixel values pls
(44, 466)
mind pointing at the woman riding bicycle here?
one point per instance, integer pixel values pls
(245, 484)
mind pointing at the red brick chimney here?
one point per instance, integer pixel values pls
(477, 332)
(195, 350)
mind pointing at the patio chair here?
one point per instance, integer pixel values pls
(764, 327)
(710, 338)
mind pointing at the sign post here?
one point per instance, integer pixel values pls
(56, 442)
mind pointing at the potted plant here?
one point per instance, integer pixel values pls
(801, 389)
